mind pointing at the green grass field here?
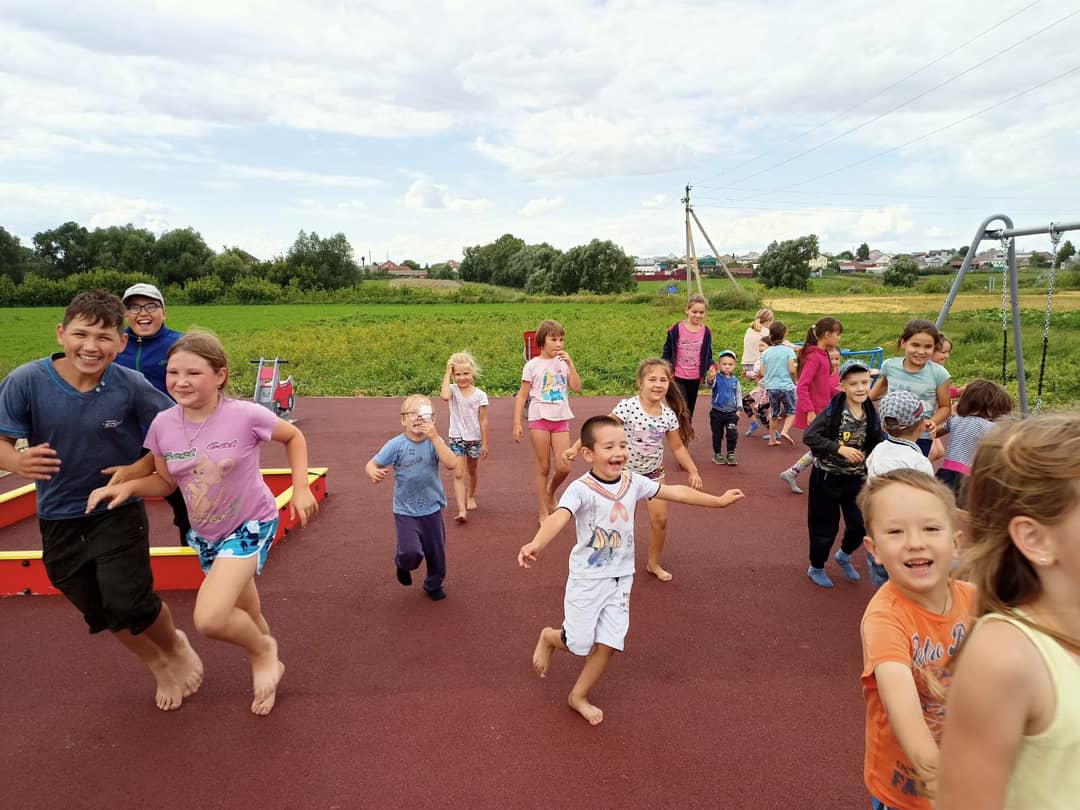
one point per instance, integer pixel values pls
(393, 350)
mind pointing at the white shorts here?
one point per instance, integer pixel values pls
(597, 611)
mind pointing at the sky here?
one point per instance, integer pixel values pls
(418, 128)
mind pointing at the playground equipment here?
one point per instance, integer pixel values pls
(1010, 292)
(174, 567)
(273, 392)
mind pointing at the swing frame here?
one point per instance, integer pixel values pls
(1007, 234)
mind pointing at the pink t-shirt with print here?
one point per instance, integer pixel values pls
(688, 353)
(215, 464)
(549, 390)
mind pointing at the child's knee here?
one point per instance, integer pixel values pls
(658, 521)
(211, 621)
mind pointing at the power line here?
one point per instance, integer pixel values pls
(884, 90)
(846, 193)
(938, 86)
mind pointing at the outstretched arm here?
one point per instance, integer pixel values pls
(684, 494)
(38, 463)
(303, 503)
(149, 486)
(549, 529)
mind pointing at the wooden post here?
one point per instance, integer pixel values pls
(713, 248)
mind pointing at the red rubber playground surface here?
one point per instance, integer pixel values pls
(739, 687)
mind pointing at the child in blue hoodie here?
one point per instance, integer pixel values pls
(726, 401)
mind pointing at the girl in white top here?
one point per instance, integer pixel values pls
(546, 383)
(1012, 729)
(755, 333)
(658, 414)
(468, 426)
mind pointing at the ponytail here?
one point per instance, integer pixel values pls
(813, 335)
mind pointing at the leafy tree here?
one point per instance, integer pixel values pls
(64, 250)
(863, 252)
(8, 294)
(1037, 260)
(483, 262)
(230, 268)
(599, 267)
(441, 270)
(14, 257)
(1065, 252)
(180, 256)
(330, 260)
(846, 255)
(787, 264)
(530, 259)
(902, 272)
(204, 290)
(124, 248)
(410, 264)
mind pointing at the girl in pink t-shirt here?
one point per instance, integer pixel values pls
(546, 383)
(790, 476)
(208, 445)
(688, 348)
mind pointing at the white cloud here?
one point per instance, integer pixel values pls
(655, 201)
(541, 206)
(424, 195)
(297, 177)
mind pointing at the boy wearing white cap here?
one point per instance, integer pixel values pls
(147, 351)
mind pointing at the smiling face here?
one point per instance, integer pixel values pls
(191, 380)
(856, 386)
(918, 349)
(941, 355)
(913, 536)
(463, 376)
(608, 453)
(653, 383)
(835, 357)
(89, 347)
(143, 323)
(695, 314)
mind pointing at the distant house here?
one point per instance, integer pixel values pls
(854, 267)
(819, 263)
(395, 270)
(453, 264)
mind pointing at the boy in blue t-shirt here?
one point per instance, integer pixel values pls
(414, 456)
(85, 417)
(726, 401)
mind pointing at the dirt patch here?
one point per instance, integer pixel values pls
(906, 302)
(435, 283)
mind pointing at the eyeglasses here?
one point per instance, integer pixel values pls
(149, 309)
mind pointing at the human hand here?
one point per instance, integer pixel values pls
(38, 463)
(710, 376)
(562, 355)
(931, 427)
(378, 474)
(810, 416)
(732, 495)
(850, 454)
(569, 454)
(115, 494)
(694, 480)
(303, 505)
(518, 433)
(528, 553)
(483, 450)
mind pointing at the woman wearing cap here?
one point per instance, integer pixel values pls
(147, 351)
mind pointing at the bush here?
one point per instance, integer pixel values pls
(734, 297)
(205, 290)
(251, 290)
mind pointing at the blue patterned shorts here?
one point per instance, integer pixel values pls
(470, 448)
(253, 537)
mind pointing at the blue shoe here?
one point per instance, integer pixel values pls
(844, 561)
(754, 425)
(819, 577)
(878, 575)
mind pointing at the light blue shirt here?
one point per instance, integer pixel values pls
(776, 361)
(418, 491)
(923, 384)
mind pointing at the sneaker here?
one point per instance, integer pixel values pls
(731, 460)
(778, 435)
(844, 561)
(819, 577)
(719, 458)
(404, 577)
(754, 425)
(436, 595)
(791, 479)
(878, 575)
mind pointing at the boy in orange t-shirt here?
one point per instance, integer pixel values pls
(911, 629)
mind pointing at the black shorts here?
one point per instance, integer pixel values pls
(101, 563)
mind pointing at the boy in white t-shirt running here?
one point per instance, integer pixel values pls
(468, 426)
(597, 600)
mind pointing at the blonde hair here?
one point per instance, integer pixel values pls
(412, 402)
(909, 478)
(696, 298)
(465, 359)
(764, 315)
(1021, 469)
(205, 344)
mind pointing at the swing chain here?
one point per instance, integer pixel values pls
(1055, 238)
(1005, 242)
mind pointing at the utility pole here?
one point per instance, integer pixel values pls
(692, 271)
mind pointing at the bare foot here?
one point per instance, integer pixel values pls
(461, 517)
(266, 670)
(170, 695)
(787, 439)
(542, 655)
(773, 443)
(471, 503)
(586, 710)
(187, 667)
(658, 572)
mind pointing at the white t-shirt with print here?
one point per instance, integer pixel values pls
(645, 434)
(604, 521)
(465, 413)
(548, 388)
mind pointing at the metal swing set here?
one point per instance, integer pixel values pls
(1006, 235)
